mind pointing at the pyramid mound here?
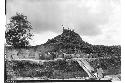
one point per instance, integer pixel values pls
(68, 41)
(68, 36)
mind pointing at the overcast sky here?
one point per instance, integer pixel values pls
(97, 21)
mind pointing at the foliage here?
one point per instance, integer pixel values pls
(50, 69)
(112, 65)
(18, 31)
(70, 42)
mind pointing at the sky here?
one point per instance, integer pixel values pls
(97, 21)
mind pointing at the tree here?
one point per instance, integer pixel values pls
(18, 31)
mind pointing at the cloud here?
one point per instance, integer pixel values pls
(51, 14)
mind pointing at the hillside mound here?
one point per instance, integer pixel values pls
(69, 42)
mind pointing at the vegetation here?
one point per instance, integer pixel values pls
(70, 42)
(52, 69)
(18, 31)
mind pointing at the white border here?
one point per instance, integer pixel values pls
(2, 35)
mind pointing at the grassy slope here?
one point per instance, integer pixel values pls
(54, 69)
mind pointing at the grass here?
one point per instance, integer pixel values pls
(60, 69)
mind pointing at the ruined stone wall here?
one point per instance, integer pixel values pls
(22, 53)
(34, 52)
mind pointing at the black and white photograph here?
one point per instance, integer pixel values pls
(62, 41)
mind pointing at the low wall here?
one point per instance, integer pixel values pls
(22, 53)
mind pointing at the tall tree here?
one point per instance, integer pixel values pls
(18, 31)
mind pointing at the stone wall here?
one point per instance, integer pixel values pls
(33, 52)
(22, 53)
